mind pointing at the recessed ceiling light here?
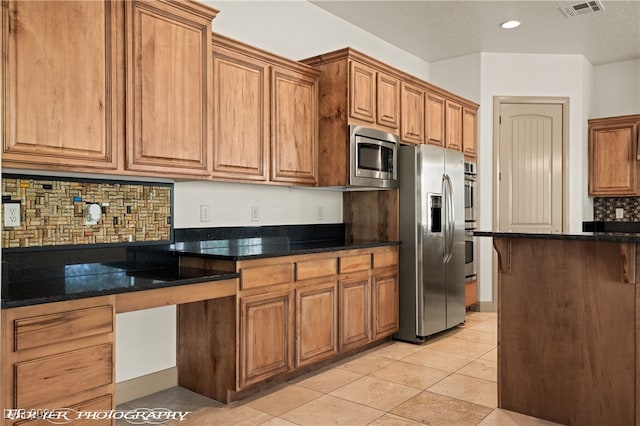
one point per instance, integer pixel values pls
(510, 24)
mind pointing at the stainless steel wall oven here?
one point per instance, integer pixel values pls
(470, 195)
(470, 220)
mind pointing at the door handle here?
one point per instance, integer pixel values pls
(452, 223)
(449, 225)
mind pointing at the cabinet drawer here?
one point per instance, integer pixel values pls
(40, 380)
(102, 403)
(316, 268)
(260, 276)
(360, 262)
(388, 258)
(63, 326)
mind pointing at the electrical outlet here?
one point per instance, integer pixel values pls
(205, 213)
(619, 213)
(255, 214)
(320, 213)
(11, 214)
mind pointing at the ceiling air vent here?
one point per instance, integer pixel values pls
(583, 8)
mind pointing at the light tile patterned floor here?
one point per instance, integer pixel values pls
(449, 380)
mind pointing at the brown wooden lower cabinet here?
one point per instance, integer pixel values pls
(102, 403)
(311, 314)
(316, 322)
(385, 303)
(265, 337)
(355, 311)
(58, 355)
(470, 293)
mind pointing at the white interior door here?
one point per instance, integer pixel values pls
(530, 167)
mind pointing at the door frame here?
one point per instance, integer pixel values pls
(497, 103)
(562, 101)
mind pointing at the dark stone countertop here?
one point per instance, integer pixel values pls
(620, 237)
(31, 277)
(78, 281)
(256, 248)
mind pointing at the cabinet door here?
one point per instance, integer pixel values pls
(362, 92)
(435, 119)
(355, 311)
(388, 97)
(412, 107)
(168, 93)
(241, 108)
(294, 127)
(470, 293)
(613, 166)
(454, 125)
(469, 132)
(316, 322)
(265, 339)
(60, 65)
(385, 303)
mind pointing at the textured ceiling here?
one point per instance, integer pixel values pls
(436, 30)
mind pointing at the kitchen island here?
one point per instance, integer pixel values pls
(568, 326)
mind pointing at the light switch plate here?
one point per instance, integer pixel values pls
(11, 214)
(619, 213)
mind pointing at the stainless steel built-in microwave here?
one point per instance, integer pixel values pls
(373, 158)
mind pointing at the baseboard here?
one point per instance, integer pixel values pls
(485, 307)
(146, 385)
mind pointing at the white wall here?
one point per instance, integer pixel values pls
(296, 30)
(616, 89)
(460, 75)
(230, 204)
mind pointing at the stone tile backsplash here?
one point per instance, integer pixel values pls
(52, 211)
(604, 209)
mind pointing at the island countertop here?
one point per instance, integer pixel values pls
(616, 237)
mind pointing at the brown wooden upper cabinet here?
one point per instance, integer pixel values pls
(413, 118)
(388, 97)
(470, 132)
(374, 96)
(241, 129)
(453, 119)
(265, 113)
(168, 94)
(79, 73)
(435, 119)
(294, 130)
(61, 104)
(613, 150)
(356, 89)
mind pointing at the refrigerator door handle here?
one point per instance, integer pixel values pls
(450, 218)
(445, 225)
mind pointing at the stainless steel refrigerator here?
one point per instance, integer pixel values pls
(432, 268)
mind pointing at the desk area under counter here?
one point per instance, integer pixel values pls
(329, 299)
(569, 326)
(58, 320)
